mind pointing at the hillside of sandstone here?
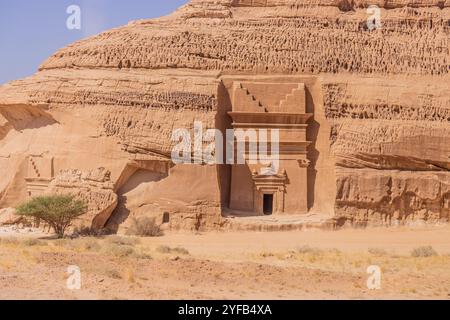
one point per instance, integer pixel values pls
(381, 133)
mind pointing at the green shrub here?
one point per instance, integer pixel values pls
(144, 227)
(58, 211)
(424, 252)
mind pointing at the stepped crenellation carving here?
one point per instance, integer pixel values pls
(380, 101)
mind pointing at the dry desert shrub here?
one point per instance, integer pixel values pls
(378, 252)
(31, 242)
(267, 254)
(168, 250)
(120, 246)
(144, 227)
(9, 241)
(90, 244)
(113, 273)
(69, 244)
(424, 252)
(122, 241)
(78, 244)
(129, 275)
(163, 249)
(142, 255)
(308, 250)
(120, 251)
(180, 250)
(84, 231)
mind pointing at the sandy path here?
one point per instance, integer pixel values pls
(237, 265)
(398, 240)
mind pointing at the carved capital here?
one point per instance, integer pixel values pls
(304, 163)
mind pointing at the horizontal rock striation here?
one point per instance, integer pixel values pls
(412, 41)
(381, 103)
(392, 197)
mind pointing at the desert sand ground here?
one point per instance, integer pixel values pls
(235, 265)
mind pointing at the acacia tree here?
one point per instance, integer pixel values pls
(58, 211)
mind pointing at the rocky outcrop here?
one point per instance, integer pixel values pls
(8, 217)
(391, 198)
(390, 134)
(319, 39)
(94, 187)
(380, 99)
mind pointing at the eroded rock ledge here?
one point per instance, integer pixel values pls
(380, 101)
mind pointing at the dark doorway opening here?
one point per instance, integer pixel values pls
(166, 217)
(268, 204)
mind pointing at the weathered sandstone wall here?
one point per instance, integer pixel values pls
(381, 104)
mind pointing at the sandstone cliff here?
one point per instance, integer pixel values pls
(381, 104)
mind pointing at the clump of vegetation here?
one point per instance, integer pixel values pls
(119, 250)
(143, 256)
(64, 243)
(424, 252)
(377, 252)
(91, 245)
(123, 241)
(168, 250)
(124, 247)
(129, 275)
(78, 244)
(33, 242)
(144, 227)
(163, 249)
(9, 241)
(113, 273)
(266, 254)
(308, 250)
(84, 231)
(58, 211)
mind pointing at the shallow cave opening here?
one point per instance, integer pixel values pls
(268, 204)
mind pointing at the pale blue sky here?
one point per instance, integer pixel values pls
(32, 30)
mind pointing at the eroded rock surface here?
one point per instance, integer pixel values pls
(380, 101)
(94, 187)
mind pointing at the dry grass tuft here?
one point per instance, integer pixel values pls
(90, 244)
(169, 250)
(424, 252)
(122, 241)
(120, 251)
(308, 250)
(113, 274)
(144, 227)
(130, 275)
(32, 242)
(9, 241)
(378, 252)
